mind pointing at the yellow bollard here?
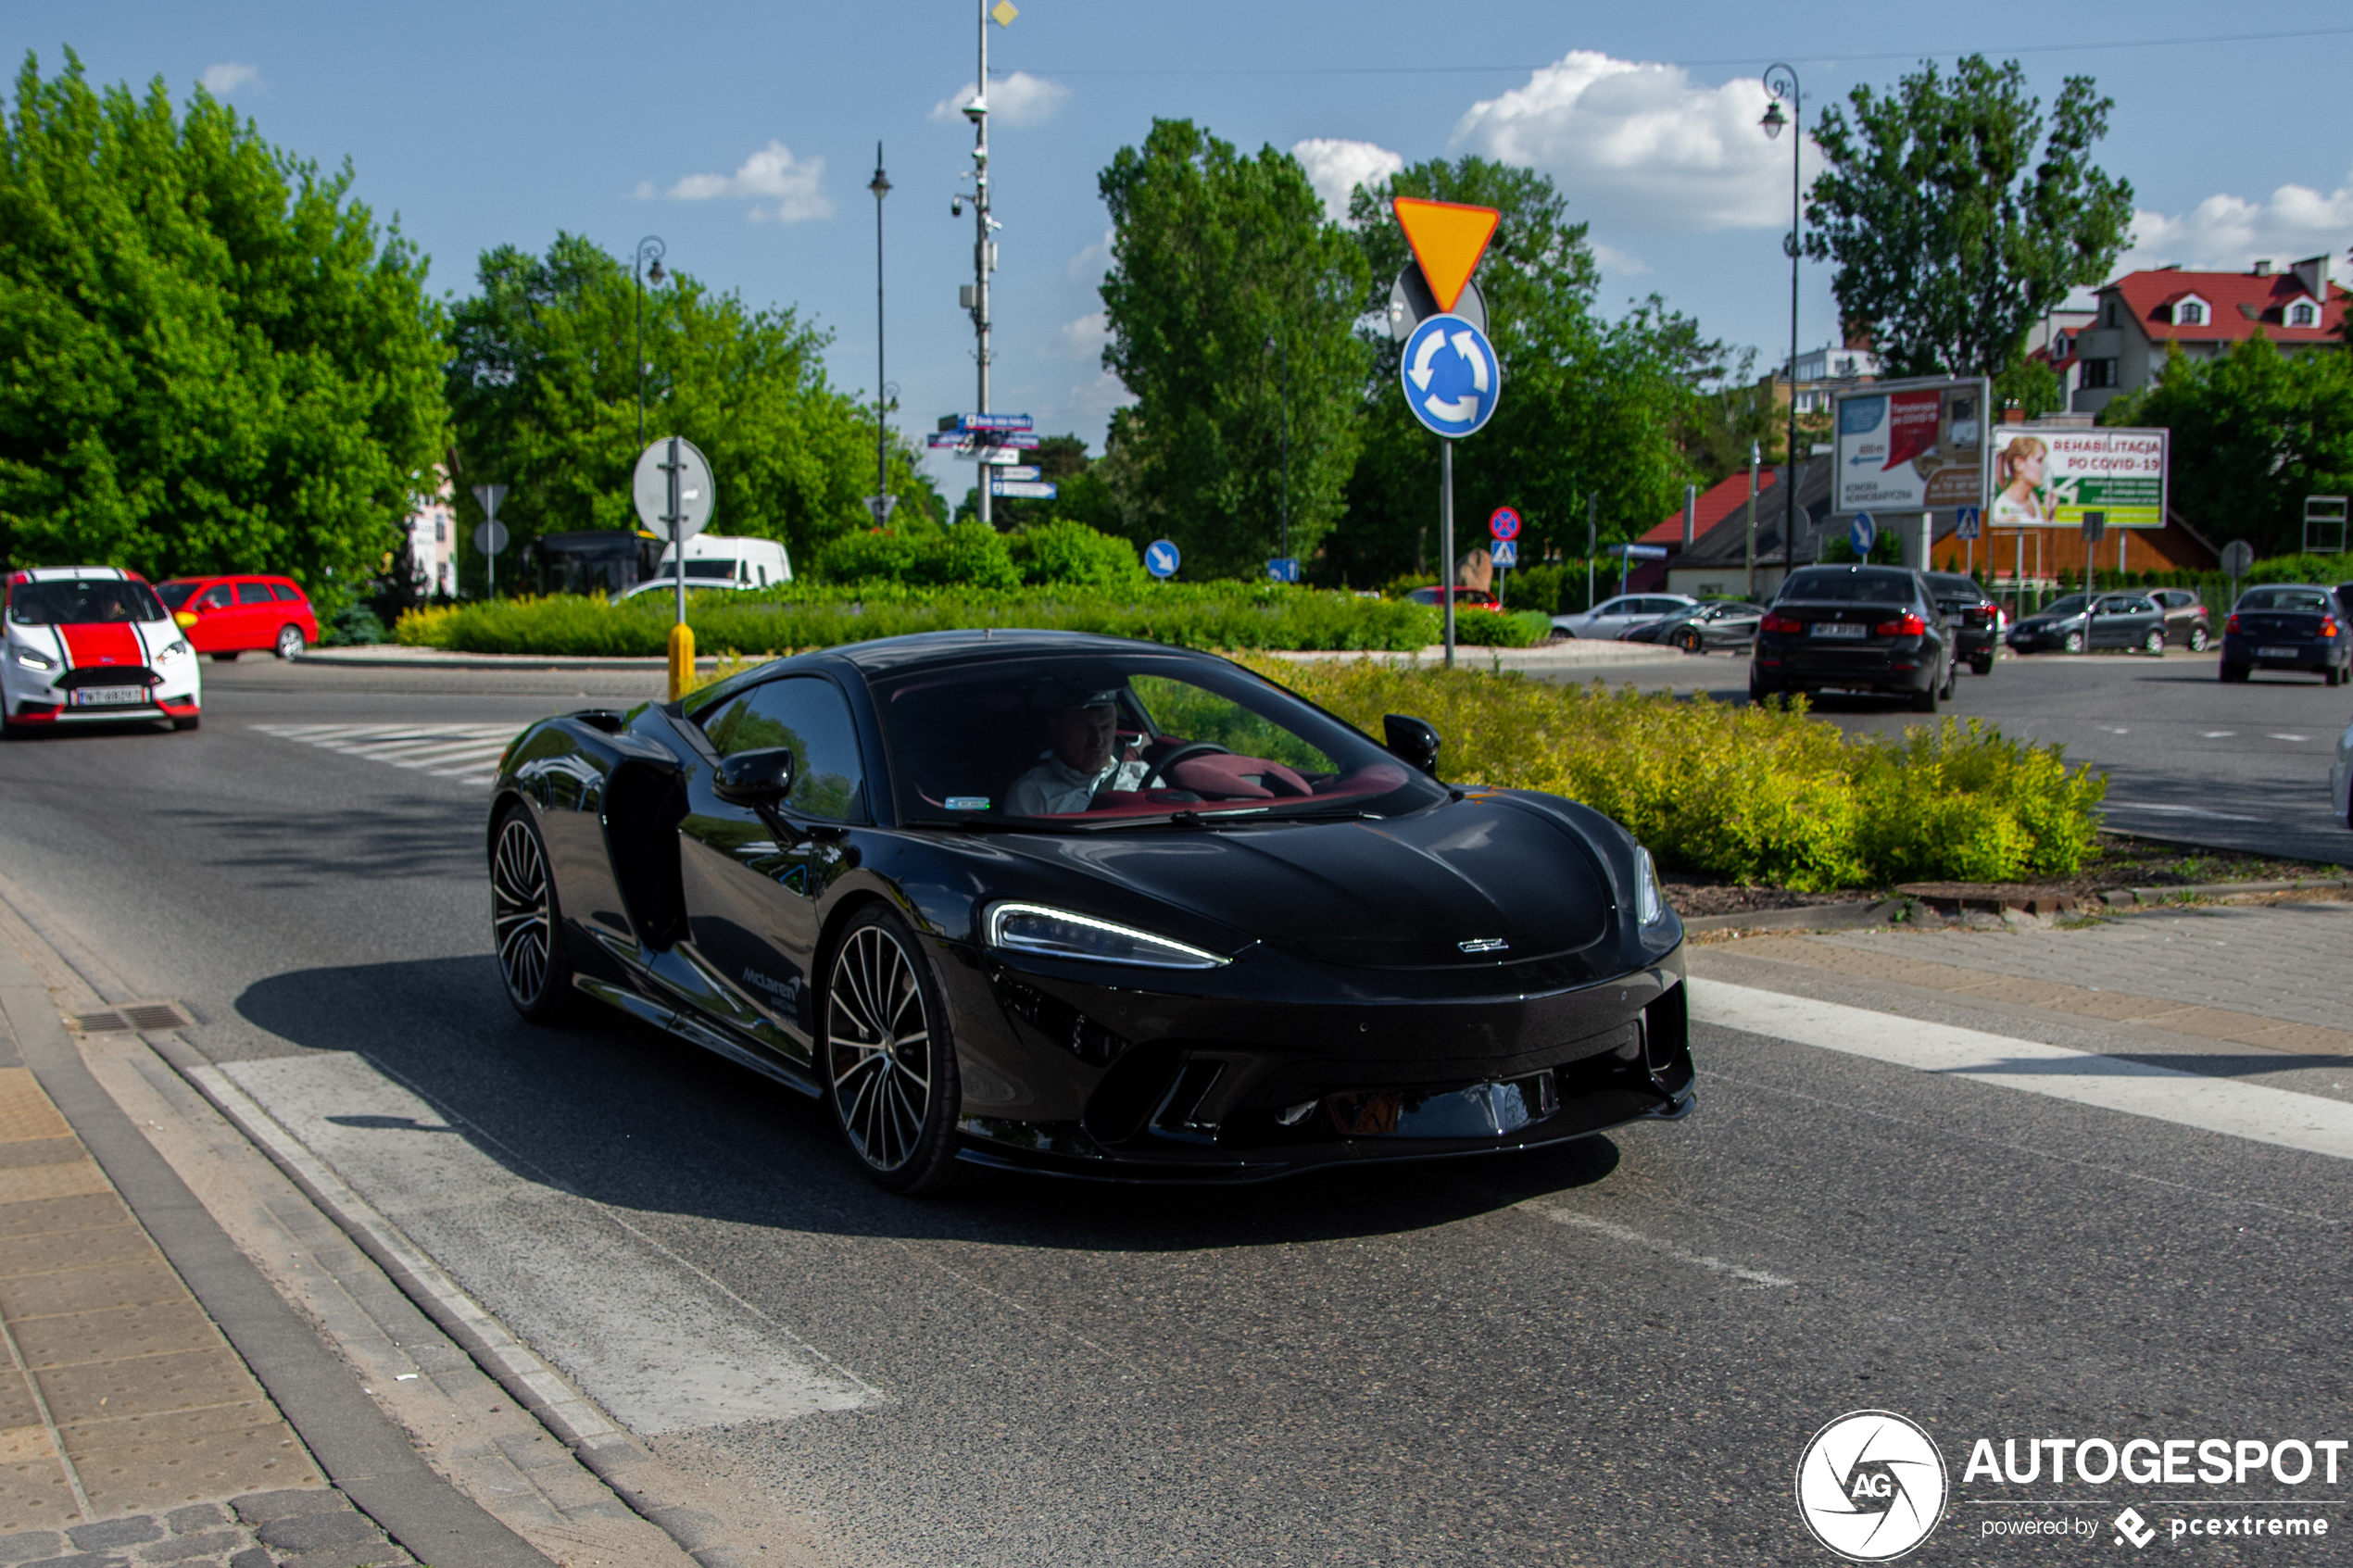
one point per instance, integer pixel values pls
(681, 659)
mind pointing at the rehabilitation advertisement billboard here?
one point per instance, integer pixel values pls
(1916, 445)
(2050, 478)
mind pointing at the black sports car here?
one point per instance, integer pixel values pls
(1090, 906)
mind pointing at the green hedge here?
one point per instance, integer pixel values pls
(1206, 615)
(1763, 795)
(972, 554)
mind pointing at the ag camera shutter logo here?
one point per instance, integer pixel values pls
(1870, 1486)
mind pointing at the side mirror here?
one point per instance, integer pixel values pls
(1411, 741)
(755, 778)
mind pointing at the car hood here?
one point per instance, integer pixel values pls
(1404, 892)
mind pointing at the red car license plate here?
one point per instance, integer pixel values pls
(108, 697)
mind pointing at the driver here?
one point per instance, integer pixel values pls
(1082, 734)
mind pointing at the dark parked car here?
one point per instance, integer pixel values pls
(1465, 598)
(1092, 907)
(1721, 625)
(1855, 628)
(1976, 620)
(2287, 626)
(2076, 624)
(2186, 622)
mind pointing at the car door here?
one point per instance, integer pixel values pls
(1732, 625)
(216, 613)
(255, 622)
(754, 878)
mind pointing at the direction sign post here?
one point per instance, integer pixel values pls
(2094, 530)
(1965, 528)
(1159, 558)
(1283, 569)
(1863, 532)
(674, 494)
(1505, 553)
(491, 536)
(2238, 558)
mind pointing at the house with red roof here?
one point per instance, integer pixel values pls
(1694, 521)
(2144, 316)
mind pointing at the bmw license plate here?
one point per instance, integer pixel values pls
(1840, 629)
(108, 697)
(2279, 653)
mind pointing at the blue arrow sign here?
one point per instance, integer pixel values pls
(1451, 376)
(1160, 558)
(1283, 569)
(1505, 552)
(1863, 533)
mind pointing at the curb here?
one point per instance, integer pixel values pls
(2129, 897)
(434, 659)
(1805, 917)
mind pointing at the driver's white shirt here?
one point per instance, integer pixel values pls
(1054, 787)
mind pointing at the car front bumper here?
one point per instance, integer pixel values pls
(1088, 1079)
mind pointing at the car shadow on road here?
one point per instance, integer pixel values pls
(620, 1113)
(381, 840)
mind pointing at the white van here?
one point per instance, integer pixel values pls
(714, 561)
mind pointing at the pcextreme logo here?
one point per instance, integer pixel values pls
(1870, 1486)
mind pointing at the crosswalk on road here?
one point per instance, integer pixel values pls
(466, 753)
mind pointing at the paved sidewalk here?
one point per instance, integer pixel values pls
(129, 1430)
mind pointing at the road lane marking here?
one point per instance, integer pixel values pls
(468, 753)
(656, 1341)
(2288, 738)
(1663, 1248)
(2177, 810)
(2280, 1117)
(2217, 734)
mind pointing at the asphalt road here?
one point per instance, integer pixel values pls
(1611, 1353)
(2241, 767)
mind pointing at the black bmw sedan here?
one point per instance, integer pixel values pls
(1090, 906)
(1857, 629)
(2287, 626)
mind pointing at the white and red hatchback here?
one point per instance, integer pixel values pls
(92, 644)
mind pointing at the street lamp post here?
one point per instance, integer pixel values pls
(648, 265)
(1282, 344)
(880, 185)
(1781, 80)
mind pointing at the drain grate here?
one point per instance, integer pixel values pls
(141, 1017)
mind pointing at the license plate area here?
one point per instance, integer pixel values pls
(1839, 629)
(108, 697)
(2277, 652)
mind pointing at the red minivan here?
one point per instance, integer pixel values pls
(227, 616)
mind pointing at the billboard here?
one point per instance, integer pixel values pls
(1910, 446)
(2050, 478)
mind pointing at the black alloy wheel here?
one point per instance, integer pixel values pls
(888, 1060)
(1689, 639)
(526, 922)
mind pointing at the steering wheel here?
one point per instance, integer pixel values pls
(1190, 748)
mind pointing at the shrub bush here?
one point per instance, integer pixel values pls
(1073, 554)
(1761, 795)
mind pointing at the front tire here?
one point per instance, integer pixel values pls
(526, 922)
(2074, 643)
(888, 1059)
(1689, 642)
(2197, 639)
(290, 642)
(191, 721)
(2154, 644)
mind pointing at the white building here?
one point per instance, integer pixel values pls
(432, 539)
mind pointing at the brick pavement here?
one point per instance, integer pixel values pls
(131, 1433)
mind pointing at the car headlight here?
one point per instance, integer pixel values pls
(1058, 934)
(1649, 901)
(33, 659)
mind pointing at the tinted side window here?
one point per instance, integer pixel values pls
(285, 593)
(252, 593)
(215, 598)
(809, 715)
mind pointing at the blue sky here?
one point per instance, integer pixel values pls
(745, 134)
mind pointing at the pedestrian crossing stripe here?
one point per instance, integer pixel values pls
(466, 753)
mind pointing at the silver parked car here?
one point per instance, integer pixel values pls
(1610, 617)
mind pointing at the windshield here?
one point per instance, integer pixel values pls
(75, 603)
(174, 595)
(1090, 741)
(1849, 587)
(2309, 600)
(1955, 585)
(2071, 605)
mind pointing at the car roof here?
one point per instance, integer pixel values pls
(71, 574)
(886, 654)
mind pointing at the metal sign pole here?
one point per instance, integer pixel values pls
(1446, 534)
(1592, 539)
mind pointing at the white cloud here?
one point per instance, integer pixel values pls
(1097, 399)
(1624, 262)
(2228, 234)
(1336, 168)
(1081, 339)
(1088, 265)
(1017, 100)
(795, 186)
(1641, 146)
(228, 76)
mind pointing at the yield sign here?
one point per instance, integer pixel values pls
(1447, 239)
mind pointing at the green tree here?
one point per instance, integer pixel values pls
(215, 361)
(1589, 406)
(2253, 431)
(1223, 266)
(543, 392)
(1951, 231)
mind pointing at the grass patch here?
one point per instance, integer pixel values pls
(1756, 793)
